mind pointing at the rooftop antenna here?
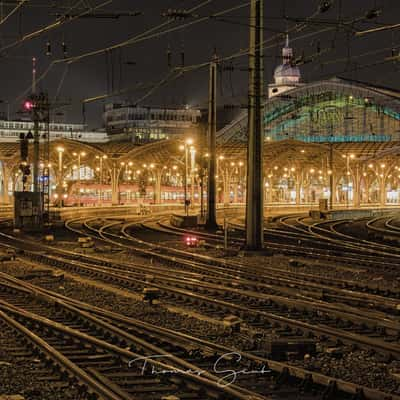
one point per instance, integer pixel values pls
(33, 75)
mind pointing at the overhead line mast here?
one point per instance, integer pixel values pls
(255, 192)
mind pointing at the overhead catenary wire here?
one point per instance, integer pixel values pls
(239, 54)
(59, 61)
(146, 36)
(242, 52)
(56, 24)
(12, 12)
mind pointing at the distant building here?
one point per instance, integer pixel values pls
(10, 131)
(287, 75)
(146, 124)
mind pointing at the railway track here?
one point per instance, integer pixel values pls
(105, 330)
(253, 312)
(106, 358)
(252, 306)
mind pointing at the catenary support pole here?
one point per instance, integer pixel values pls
(255, 200)
(211, 221)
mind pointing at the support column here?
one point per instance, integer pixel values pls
(235, 193)
(357, 188)
(114, 185)
(382, 192)
(6, 180)
(255, 198)
(298, 193)
(157, 188)
(227, 186)
(333, 185)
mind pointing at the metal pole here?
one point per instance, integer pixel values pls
(331, 177)
(211, 221)
(225, 233)
(347, 181)
(101, 178)
(201, 183)
(36, 148)
(60, 160)
(79, 180)
(255, 198)
(185, 179)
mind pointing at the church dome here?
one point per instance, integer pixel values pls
(287, 73)
(286, 70)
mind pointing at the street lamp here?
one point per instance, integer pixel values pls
(101, 158)
(79, 155)
(348, 157)
(60, 151)
(186, 147)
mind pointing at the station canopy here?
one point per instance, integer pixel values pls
(301, 124)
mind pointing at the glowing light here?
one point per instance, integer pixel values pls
(28, 105)
(191, 241)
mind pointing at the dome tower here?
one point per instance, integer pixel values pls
(287, 75)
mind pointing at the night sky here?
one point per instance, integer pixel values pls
(333, 52)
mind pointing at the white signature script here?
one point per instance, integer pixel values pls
(229, 376)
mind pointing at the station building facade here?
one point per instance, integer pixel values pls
(146, 124)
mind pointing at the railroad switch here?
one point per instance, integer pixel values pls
(12, 253)
(335, 352)
(233, 322)
(5, 257)
(170, 397)
(151, 294)
(296, 263)
(281, 349)
(86, 242)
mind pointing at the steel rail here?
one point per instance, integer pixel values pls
(276, 366)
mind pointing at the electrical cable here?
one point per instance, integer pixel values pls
(13, 11)
(56, 24)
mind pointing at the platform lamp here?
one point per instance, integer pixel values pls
(101, 158)
(186, 147)
(60, 151)
(79, 155)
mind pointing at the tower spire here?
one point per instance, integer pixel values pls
(287, 52)
(33, 75)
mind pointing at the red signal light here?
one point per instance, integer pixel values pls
(28, 105)
(191, 241)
